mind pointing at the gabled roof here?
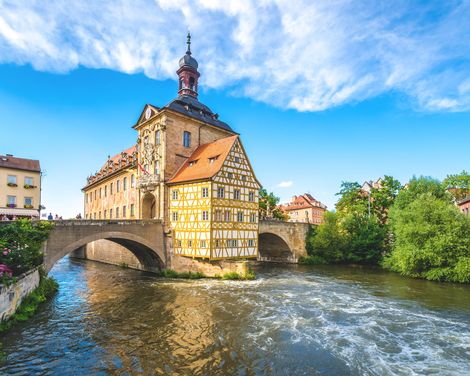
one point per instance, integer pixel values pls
(205, 161)
(9, 161)
(187, 106)
(302, 202)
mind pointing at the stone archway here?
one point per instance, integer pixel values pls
(274, 249)
(149, 206)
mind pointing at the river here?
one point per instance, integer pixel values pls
(292, 320)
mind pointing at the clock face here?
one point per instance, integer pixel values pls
(148, 113)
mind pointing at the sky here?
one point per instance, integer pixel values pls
(321, 92)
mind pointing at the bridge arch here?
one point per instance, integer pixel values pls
(274, 248)
(145, 243)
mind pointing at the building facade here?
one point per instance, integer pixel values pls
(139, 182)
(20, 187)
(464, 205)
(305, 208)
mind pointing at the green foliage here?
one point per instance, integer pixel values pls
(458, 185)
(20, 244)
(383, 198)
(352, 199)
(170, 273)
(249, 275)
(312, 260)
(123, 265)
(30, 304)
(431, 236)
(268, 206)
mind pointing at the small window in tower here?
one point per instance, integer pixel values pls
(191, 83)
(186, 139)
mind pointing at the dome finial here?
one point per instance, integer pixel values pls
(189, 43)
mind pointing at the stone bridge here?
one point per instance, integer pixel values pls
(282, 241)
(145, 239)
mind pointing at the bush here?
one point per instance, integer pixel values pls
(431, 238)
(312, 260)
(170, 273)
(20, 245)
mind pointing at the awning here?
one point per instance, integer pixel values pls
(20, 212)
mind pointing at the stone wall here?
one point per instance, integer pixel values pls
(12, 296)
(108, 252)
(208, 268)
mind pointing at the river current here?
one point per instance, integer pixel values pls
(293, 320)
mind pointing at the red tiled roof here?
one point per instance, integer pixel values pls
(8, 161)
(302, 202)
(199, 166)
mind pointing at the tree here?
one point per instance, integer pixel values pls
(382, 198)
(458, 185)
(268, 206)
(431, 236)
(352, 198)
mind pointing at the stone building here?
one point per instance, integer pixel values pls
(20, 187)
(304, 208)
(173, 142)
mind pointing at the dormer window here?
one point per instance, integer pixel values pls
(192, 163)
(213, 159)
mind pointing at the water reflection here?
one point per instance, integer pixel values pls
(291, 320)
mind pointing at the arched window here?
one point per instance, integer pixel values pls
(133, 181)
(157, 138)
(191, 83)
(157, 167)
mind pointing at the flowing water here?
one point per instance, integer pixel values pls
(290, 321)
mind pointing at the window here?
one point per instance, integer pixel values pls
(253, 217)
(11, 200)
(124, 184)
(132, 181)
(95, 195)
(132, 210)
(28, 201)
(104, 214)
(243, 177)
(217, 243)
(105, 190)
(227, 216)
(212, 159)
(240, 216)
(230, 175)
(99, 215)
(124, 211)
(157, 138)
(86, 198)
(232, 242)
(174, 216)
(205, 215)
(236, 194)
(179, 243)
(191, 83)
(205, 192)
(186, 139)
(117, 212)
(251, 196)
(110, 213)
(237, 160)
(174, 194)
(28, 180)
(190, 243)
(11, 180)
(146, 168)
(251, 242)
(101, 189)
(218, 215)
(118, 186)
(203, 244)
(94, 215)
(157, 167)
(111, 189)
(220, 192)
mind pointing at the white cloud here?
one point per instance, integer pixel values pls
(298, 54)
(285, 184)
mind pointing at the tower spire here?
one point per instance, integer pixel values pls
(188, 42)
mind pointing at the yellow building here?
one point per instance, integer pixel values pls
(20, 187)
(168, 139)
(214, 203)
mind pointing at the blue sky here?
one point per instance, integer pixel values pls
(319, 93)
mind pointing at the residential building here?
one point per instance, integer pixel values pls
(305, 208)
(464, 205)
(367, 186)
(20, 187)
(182, 156)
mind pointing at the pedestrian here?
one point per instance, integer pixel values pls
(50, 217)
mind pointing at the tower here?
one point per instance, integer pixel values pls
(187, 73)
